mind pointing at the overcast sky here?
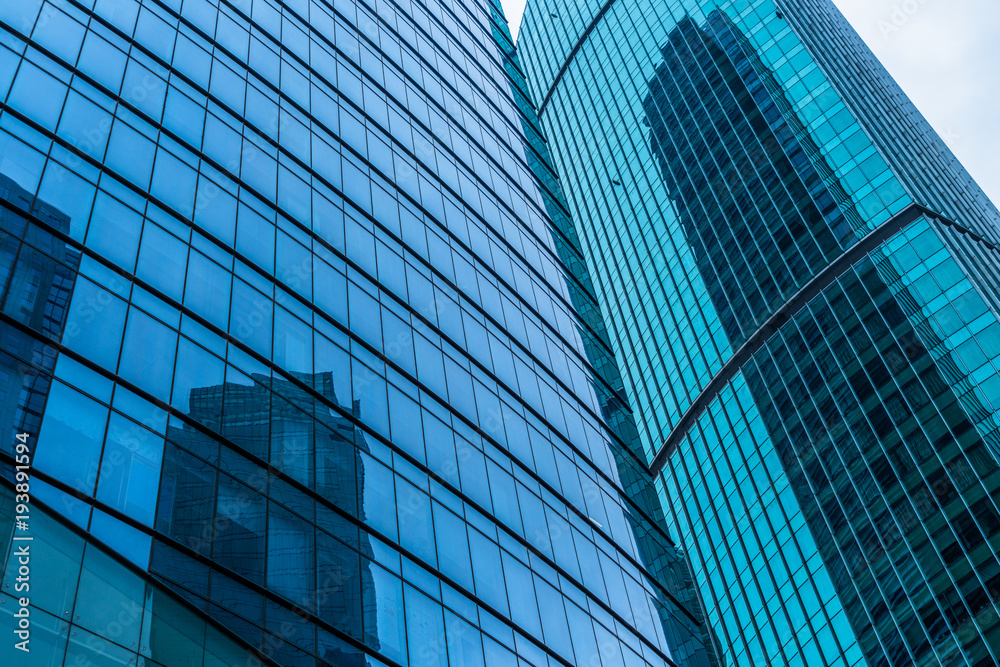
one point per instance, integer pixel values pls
(946, 56)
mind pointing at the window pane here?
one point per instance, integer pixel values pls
(69, 445)
(148, 354)
(130, 469)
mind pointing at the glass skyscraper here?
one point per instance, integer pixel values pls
(802, 287)
(309, 363)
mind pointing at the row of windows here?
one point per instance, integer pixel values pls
(877, 380)
(170, 170)
(126, 474)
(159, 265)
(735, 508)
(666, 386)
(595, 130)
(131, 486)
(927, 166)
(923, 249)
(266, 325)
(93, 610)
(150, 92)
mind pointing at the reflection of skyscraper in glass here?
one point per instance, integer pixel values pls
(802, 290)
(707, 84)
(760, 215)
(37, 273)
(317, 568)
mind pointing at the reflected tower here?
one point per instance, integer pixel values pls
(800, 288)
(741, 204)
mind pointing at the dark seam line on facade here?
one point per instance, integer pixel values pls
(648, 575)
(267, 467)
(115, 555)
(572, 54)
(599, 473)
(757, 340)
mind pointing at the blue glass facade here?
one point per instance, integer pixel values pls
(801, 289)
(311, 366)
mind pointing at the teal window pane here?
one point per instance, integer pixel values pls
(109, 598)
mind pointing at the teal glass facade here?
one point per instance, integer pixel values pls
(310, 363)
(801, 286)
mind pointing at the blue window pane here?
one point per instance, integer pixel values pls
(37, 95)
(148, 354)
(61, 35)
(404, 417)
(95, 323)
(331, 358)
(416, 527)
(366, 319)
(215, 210)
(440, 444)
(255, 237)
(114, 231)
(370, 392)
(207, 289)
(184, 117)
(465, 643)
(69, 444)
(130, 154)
(453, 547)
(109, 595)
(379, 498)
(55, 549)
(290, 554)
(488, 571)
(103, 62)
(251, 315)
(196, 369)
(130, 469)
(498, 656)
(384, 624)
(553, 615)
(522, 595)
(330, 288)
(239, 534)
(186, 508)
(21, 15)
(174, 183)
(339, 580)
(292, 343)
(144, 89)
(64, 190)
(85, 125)
(424, 630)
(162, 261)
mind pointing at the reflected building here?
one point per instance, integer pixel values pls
(38, 272)
(708, 84)
(801, 289)
(290, 546)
